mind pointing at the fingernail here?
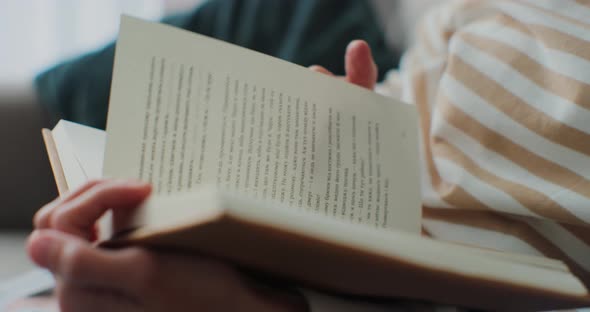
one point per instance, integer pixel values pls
(353, 43)
(349, 46)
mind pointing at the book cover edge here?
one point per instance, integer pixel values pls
(54, 161)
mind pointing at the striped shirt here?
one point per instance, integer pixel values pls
(503, 93)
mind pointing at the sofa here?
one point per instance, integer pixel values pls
(27, 182)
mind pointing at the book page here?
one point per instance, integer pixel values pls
(187, 110)
(88, 145)
(73, 172)
(80, 149)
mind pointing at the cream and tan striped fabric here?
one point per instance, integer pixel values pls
(503, 91)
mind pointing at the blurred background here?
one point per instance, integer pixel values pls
(36, 34)
(56, 62)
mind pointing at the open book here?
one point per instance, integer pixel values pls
(286, 171)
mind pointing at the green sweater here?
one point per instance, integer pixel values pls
(304, 32)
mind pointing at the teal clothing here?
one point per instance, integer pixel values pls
(304, 32)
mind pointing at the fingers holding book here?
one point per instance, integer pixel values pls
(77, 212)
(140, 279)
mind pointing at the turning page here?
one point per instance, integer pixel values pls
(187, 110)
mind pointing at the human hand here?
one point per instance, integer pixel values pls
(134, 279)
(359, 65)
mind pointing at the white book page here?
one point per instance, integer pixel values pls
(73, 172)
(81, 152)
(88, 145)
(187, 110)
